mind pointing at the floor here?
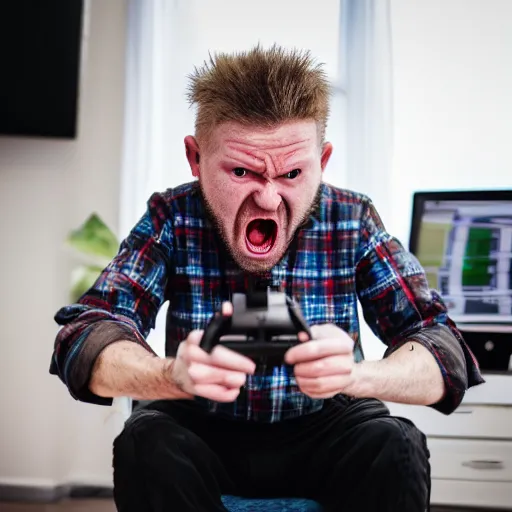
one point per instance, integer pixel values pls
(64, 506)
(107, 506)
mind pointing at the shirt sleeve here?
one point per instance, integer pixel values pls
(399, 306)
(121, 305)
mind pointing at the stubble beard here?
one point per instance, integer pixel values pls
(243, 261)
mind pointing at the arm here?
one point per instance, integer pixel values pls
(409, 375)
(403, 312)
(120, 307)
(125, 368)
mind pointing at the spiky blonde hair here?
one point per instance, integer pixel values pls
(261, 87)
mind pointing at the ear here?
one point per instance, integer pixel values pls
(192, 150)
(326, 154)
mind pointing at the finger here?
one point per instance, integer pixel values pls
(231, 360)
(332, 365)
(317, 349)
(194, 337)
(217, 393)
(194, 354)
(227, 308)
(323, 387)
(221, 357)
(327, 331)
(303, 336)
(206, 374)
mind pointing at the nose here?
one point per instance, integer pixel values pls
(267, 197)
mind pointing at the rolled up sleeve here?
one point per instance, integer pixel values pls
(399, 306)
(121, 305)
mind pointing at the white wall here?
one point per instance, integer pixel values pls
(48, 187)
(453, 114)
(452, 102)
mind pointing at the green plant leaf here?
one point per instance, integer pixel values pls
(82, 278)
(94, 238)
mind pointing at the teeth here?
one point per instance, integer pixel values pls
(260, 249)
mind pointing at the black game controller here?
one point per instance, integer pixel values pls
(263, 326)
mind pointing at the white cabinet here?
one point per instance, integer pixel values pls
(470, 459)
(469, 420)
(471, 449)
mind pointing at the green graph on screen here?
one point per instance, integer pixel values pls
(477, 268)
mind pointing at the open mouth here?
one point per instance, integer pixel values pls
(260, 235)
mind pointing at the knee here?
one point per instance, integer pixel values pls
(142, 437)
(399, 454)
(397, 441)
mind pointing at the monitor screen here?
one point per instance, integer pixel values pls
(464, 242)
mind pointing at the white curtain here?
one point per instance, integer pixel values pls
(166, 38)
(369, 142)
(369, 107)
(154, 104)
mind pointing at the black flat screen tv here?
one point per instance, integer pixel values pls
(40, 46)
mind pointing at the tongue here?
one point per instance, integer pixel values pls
(257, 233)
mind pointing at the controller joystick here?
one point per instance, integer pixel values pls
(263, 326)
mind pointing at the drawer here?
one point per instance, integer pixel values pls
(481, 421)
(471, 460)
(469, 494)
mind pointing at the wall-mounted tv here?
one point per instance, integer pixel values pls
(40, 46)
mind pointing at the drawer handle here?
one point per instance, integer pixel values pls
(463, 411)
(484, 464)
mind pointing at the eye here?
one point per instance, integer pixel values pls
(292, 174)
(239, 172)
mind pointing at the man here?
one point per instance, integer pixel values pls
(213, 424)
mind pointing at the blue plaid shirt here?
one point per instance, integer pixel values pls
(341, 255)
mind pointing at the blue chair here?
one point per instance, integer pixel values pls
(238, 504)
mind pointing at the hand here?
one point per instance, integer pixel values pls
(217, 376)
(324, 365)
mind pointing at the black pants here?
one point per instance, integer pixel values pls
(351, 456)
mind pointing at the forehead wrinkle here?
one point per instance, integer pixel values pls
(256, 145)
(264, 159)
(294, 152)
(243, 156)
(271, 162)
(258, 155)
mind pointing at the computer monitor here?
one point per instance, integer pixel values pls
(464, 242)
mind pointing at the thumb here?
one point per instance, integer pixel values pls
(194, 337)
(227, 309)
(324, 331)
(303, 336)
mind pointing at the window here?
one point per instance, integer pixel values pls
(167, 38)
(231, 25)
(173, 37)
